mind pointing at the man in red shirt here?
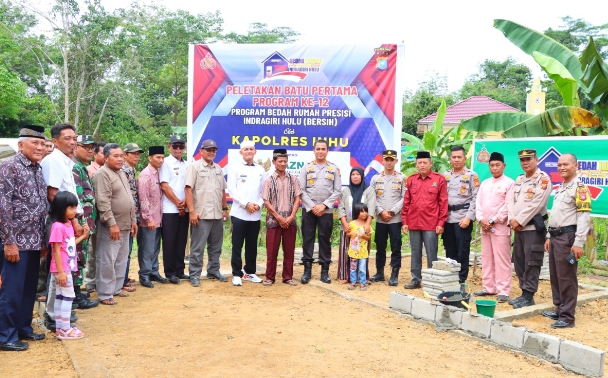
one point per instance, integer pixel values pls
(424, 213)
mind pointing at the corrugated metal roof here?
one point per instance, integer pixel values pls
(469, 108)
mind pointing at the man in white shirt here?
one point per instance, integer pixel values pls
(175, 219)
(58, 176)
(245, 181)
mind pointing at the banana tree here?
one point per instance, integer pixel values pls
(437, 143)
(569, 73)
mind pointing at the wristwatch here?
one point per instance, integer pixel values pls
(224, 209)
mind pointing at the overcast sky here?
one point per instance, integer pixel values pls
(445, 36)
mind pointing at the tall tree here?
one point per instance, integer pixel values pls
(425, 101)
(259, 33)
(575, 33)
(504, 81)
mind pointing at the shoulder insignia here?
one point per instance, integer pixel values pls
(339, 174)
(544, 183)
(583, 199)
(476, 180)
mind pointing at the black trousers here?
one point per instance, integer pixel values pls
(174, 234)
(246, 232)
(528, 254)
(383, 232)
(457, 243)
(564, 284)
(17, 294)
(310, 224)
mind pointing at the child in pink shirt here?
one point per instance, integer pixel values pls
(63, 261)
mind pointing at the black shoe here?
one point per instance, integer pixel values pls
(562, 324)
(159, 278)
(307, 272)
(73, 317)
(413, 285)
(378, 277)
(145, 282)
(325, 273)
(32, 336)
(17, 346)
(174, 280)
(551, 315)
(394, 280)
(515, 300)
(84, 304)
(183, 276)
(217, 276)
(482, 293)
(528, 300)
(195, 282)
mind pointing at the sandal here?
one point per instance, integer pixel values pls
(128, 288)
(267, 283)
(69, 334)
(291, 282)
(122, 294)
(351, 287)
(109, 302)
(343, 281)
(363, 287)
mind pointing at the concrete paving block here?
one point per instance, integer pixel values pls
(542, 345)
(476, 324)
(448, 316)
(400, 302)
(505, 334)
(423, 309)
(581, 359)
(442, 279)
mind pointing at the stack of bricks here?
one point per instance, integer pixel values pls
(442, 277)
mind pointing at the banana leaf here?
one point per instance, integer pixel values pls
(429, 140)
(413, 140)
(566, 85)
(497, 121)
(595, 75)
(530, 41)
(560, 120)
(438, 123)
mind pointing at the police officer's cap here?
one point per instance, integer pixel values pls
(389, 154)
(530, 152)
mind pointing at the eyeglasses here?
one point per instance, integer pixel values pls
(88, 147)
(212, 150)
(178, 146)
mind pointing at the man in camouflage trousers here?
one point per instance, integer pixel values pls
(84, 189)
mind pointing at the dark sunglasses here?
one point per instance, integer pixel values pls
(87, 147)
(178, 146)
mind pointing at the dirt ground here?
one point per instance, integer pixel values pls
(590, 328)
(218, 329)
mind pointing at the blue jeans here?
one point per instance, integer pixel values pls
(358, 265)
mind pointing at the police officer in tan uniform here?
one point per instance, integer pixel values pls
(527, 213)
(389, 186)
(463, 185)
(568, 228)
(321, 187)
(206, 202)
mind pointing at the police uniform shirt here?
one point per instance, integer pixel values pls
(173, 172)
(530, 197)
(572, 206)
(208, 185)
(462, 189)
(389, 190)
(321, 184)
(245, 185)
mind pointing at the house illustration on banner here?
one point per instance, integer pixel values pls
(548, 164)
(276, 67)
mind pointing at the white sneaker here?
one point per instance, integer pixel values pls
(252, 278)
(236, 281)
